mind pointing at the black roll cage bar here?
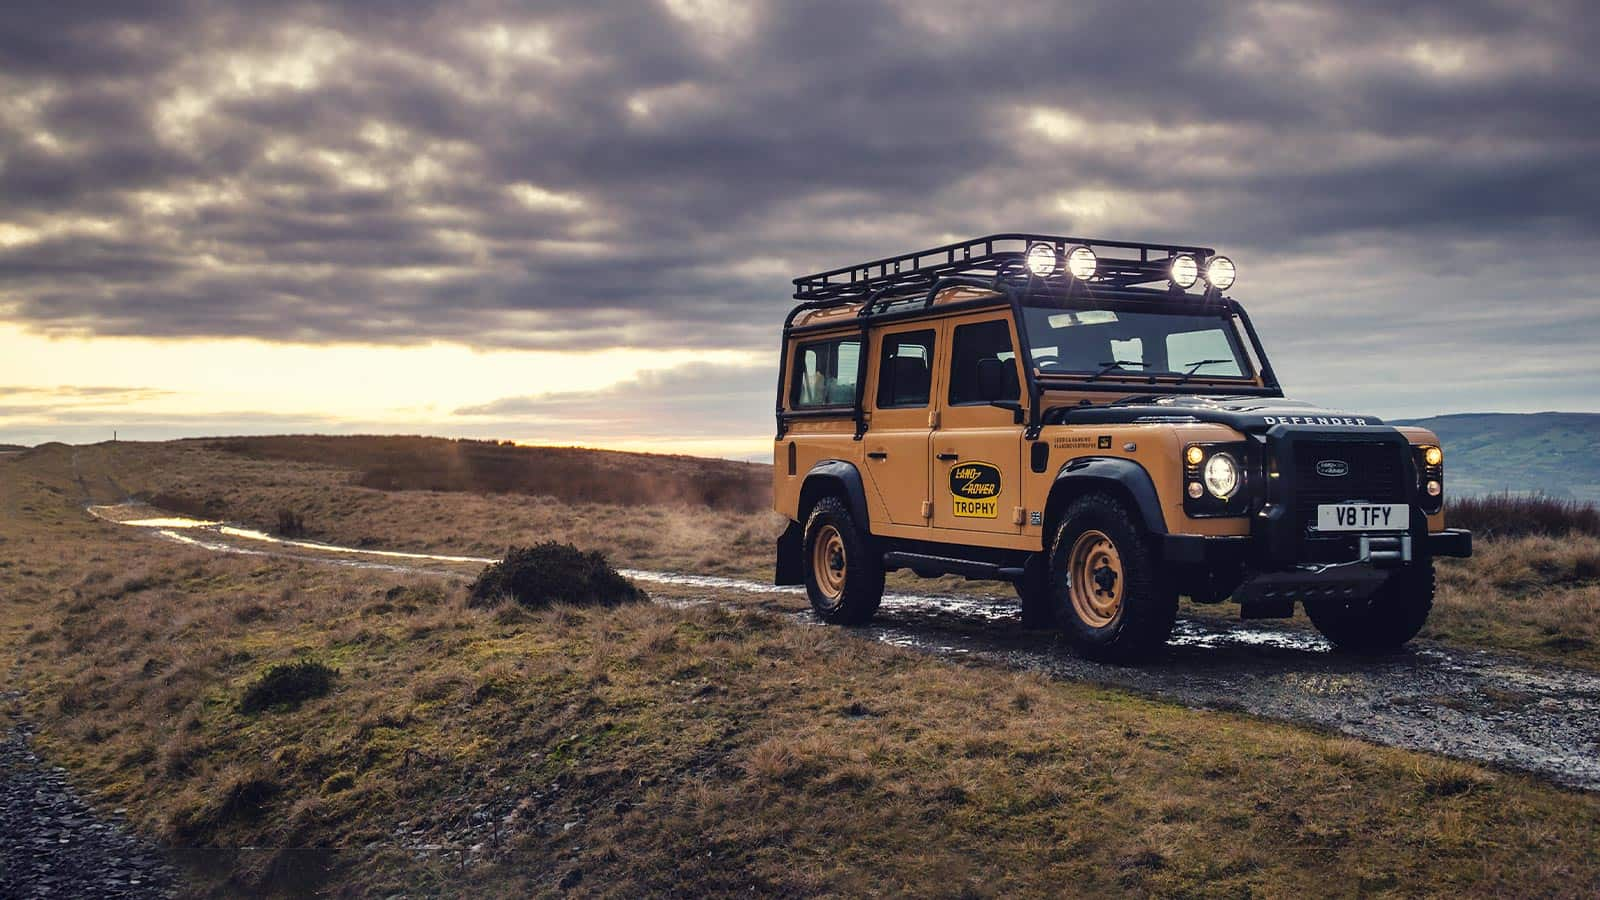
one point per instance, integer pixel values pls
(888, 288)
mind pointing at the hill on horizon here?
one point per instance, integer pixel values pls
(1553, 453)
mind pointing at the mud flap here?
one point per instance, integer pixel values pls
(790, 567)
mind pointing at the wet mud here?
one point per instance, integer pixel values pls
(1470, 704)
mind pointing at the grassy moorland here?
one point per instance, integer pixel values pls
(650, 749)
(1533, 588)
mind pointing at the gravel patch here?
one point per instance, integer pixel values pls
(52, 844)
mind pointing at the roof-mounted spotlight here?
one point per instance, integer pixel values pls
(1042, 260)
(1220, 272)
(1184, 272)
(1082, 262)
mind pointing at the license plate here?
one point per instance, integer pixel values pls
(1363, 517)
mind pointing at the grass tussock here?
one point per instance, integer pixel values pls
(1513, 516)
(288, 684)
(291, 524)
(551, 573)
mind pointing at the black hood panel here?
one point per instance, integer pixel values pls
(1251, 415)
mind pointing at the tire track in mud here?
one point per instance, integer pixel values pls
(1470, 704)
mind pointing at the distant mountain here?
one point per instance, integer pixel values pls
(1554, 453)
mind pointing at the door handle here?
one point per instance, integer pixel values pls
(878, 454)
(948, 456)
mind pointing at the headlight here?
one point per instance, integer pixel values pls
(1222, 476)
(1081, 262)
(1220, 272)
(1433, 456)
(1041, 259)
(1184, 271)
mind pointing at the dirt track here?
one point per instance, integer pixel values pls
(1474, 705)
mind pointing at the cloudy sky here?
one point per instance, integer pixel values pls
(576, 222)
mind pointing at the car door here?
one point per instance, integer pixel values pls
(977, 447)
(899, 404)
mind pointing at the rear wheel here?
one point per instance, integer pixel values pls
(844, 578)
(1389, 618)
(1111, 599)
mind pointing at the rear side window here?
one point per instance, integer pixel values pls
(825, 373)
(905, 370)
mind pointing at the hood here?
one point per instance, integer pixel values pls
(1251, 415)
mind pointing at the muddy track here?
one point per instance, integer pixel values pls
(1479, 706)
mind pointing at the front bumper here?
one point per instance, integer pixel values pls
(1203, 550)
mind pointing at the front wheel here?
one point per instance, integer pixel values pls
(1393, 615)
(1111, 599)
(844, 578)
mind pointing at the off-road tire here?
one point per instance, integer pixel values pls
(1033, 589)
(1148, 605)
(1386, 620)
(857, 588)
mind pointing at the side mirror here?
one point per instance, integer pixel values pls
(991, 380)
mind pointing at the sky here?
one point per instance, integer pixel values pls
(576, 223)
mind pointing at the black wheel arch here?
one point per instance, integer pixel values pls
(830, 477)
(1123, 479)
(840, 478)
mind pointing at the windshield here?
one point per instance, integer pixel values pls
(1117, 342)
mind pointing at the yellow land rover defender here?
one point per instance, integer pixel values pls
(1097, 423)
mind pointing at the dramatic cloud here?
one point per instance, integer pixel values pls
(694, 400)
(1409, 188)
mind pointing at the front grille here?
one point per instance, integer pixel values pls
(1376, 474)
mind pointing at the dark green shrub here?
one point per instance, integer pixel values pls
(552, 572)
(287, 684)
(1509, 515)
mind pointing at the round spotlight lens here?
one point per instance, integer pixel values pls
(1194, 455)
(1184, 272)
(1222, 476)
(1195, 490)
(1220, 272)
(1433, 456)
(1081, 262)
(1435, 489)
(1041, 259)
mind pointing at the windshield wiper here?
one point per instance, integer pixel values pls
(1114, 364)
(1204, 362)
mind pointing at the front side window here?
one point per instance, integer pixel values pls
(981, 354)
(825, 373)
(905, 369)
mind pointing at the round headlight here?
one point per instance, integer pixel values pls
(1194, 455)
(1041, 259)
(1222, 476)
(1433, 456)
(1184, 271)
(1220, 272)
(1081, 262)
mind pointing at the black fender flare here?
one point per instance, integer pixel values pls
(1119, 477)
(834, 476)
(830, 476)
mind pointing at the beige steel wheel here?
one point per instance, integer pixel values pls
(828, 562)
(1096, 579)
(844, 571)
(1113, 599)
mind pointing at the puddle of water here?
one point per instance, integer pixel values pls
(169, 525)
(1189, 633)
(169, 522)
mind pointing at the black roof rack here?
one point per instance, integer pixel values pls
(1000, 257)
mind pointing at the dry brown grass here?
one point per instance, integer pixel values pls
(648, 750)
(1538, 595)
